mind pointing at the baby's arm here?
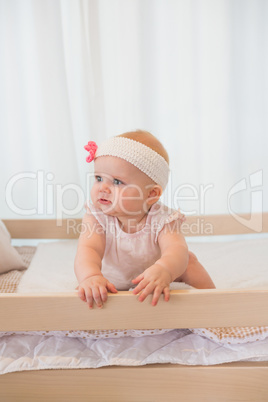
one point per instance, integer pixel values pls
(171, 265)
(87, 266)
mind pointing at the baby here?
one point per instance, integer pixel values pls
(130, 237)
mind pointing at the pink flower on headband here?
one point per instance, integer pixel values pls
(91, 147)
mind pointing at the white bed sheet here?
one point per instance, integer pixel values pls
(231, 264)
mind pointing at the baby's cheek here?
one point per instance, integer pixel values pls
(93, 192)
(132, 205)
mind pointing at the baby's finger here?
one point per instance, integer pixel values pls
(111, 287)
(166, 292)
(157, 294)
(89, 298)
(147, 291)
(140, 287)
(81, 293)
(138, 278)
(103, 293)
(97, 297)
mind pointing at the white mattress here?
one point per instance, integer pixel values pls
(231, 264)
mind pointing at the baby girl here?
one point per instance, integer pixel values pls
(130, 237)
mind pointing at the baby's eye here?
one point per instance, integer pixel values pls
(117, 182)
(98, 178)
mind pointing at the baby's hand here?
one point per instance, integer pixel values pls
(95, 288)
(154, 279)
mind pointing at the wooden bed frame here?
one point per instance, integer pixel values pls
(243, 381)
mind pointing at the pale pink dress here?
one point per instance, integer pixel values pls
(128, 254)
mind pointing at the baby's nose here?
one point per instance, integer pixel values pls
(105, 187)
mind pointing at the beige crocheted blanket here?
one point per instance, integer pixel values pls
(10, 280)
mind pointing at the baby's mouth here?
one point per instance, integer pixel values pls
(104, 201)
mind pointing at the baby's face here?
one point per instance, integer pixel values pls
(120, 189)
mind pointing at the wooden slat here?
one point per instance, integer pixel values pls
(43, 228)
(207, 225)
(239, 382)
(186, 309)
(216, 225)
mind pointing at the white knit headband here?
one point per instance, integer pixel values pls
(139, 155)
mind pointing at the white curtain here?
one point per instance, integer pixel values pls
(193, 72)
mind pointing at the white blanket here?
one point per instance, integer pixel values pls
(28, 352)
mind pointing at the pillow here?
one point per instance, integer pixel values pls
(9, 257)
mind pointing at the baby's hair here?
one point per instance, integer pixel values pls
(147, 139)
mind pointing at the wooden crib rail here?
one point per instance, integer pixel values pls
(207, 225)
(186, 309)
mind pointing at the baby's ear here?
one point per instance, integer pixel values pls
(154, 194)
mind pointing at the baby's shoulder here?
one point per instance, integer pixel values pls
(161, 215)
